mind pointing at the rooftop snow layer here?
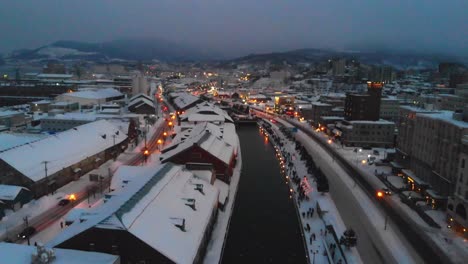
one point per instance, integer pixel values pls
(63, 149)
(9, 192)
(20, 254)
(157, 199)
(96, 94)
(206, 140)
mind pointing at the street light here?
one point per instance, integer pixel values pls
(380, 196)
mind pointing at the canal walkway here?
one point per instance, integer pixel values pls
(321, 230)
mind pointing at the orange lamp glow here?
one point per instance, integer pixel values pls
(380, 194)
(72, 197)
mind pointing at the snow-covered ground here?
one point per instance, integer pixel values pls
(388, 241)
(317, 225)
(456, 247)
(13, 221)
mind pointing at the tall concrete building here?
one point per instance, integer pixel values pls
(364, 106)
(431, 144)
(458, 202)
(339, 67)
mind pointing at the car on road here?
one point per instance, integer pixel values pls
(387, 191)
(64, 202)
(27, 232)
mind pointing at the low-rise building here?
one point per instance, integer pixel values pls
(45, 165)
(366, 133)
(12, 119)
(165, 215)
(14, 196)
(59, 123)
(20, 254)
(40, 106)
(63, 107)
(203, 146)
(88, 97)
(141, 104)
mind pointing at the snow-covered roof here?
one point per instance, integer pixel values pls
(205, 139)
(205, 112)
(137, 102)
(54, 76)
(9, 192)
(8, 113)
(445, 116)
(126, 174)
(378, 122)
(11, 140)
(96, 94)
(149, 208)
(183, 100)
(140, 95)
(20, 254)
(63, 149)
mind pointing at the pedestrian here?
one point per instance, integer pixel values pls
(35, 243)
(310, 239)
(303, 214)
(326, 232)
(308, 226)
(321, 232)
(61, 225)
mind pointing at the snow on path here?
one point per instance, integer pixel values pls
(456, 248)
(332, 215)
(375, 217)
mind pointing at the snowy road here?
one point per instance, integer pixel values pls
(408, 234)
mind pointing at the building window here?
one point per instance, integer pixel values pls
(463, 164)
(461, 177)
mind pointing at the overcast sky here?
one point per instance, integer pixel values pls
(242, 26)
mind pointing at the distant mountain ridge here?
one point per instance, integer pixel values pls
(397, 59)
(147, 49)
(125, 49)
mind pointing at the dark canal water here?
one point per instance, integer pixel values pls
(264, 227)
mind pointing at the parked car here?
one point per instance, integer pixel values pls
(64, 202)
(375, 152)
(27, 232)
(387, 191)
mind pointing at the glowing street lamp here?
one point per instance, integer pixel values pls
(380, 196)
(72, 197)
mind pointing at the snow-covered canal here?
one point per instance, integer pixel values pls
(264, 227)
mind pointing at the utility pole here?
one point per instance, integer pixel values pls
(45, 170)
(26, 221)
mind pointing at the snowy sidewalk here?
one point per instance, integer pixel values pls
(454, 246)
(321, 245)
